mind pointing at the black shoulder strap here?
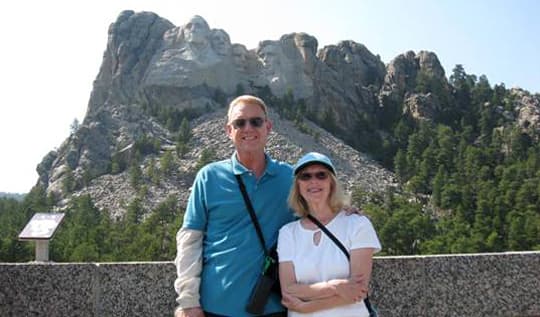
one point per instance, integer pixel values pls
(330, 235)
(251, 213)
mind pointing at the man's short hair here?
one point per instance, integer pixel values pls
(247, 99)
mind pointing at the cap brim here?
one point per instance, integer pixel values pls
(301, 167)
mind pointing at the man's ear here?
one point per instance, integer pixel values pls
(228, 130)
(268, 126)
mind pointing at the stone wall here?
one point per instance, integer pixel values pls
(497, 284)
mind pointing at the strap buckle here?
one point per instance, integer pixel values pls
(268, 261)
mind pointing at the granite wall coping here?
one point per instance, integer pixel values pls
(491, 284)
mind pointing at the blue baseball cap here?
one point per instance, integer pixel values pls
(314, 158)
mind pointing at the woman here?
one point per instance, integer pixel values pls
(316, 277)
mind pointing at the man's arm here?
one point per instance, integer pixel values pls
(188, 268)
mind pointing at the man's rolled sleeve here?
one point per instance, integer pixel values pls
(188, 267)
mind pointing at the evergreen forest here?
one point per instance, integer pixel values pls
(469, 183)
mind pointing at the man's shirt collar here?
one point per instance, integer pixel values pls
(238, 168)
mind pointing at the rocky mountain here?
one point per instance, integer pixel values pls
(154, 72)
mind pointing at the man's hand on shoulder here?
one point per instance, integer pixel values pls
(189, 312)
(349, 210)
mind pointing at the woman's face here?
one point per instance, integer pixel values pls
(314, 183)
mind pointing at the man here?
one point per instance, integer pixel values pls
(219, 254)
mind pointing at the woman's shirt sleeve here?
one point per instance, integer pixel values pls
(363, 234)
(286, 243)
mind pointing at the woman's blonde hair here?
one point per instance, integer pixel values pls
(336, 200)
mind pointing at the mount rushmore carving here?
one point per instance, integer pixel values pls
(149, 63)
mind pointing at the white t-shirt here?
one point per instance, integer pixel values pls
(325, 261)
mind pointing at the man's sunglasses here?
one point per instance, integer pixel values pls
(305, 176)
(255, 122)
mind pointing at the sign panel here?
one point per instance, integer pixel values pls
(41, 226)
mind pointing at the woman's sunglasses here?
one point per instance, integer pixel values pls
(255, 122)
(305, 176)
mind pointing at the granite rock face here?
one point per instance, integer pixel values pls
(148, 60)
(528, 109)
(150, 66)
(132, 42)
(149, 63)
(421, 106)
(401, 82)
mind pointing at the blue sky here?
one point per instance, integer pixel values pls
(52, 50)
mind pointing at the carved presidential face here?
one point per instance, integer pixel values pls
(196, 31)
(221, 42)
(240, 59)
(304, 40)
(270, 55)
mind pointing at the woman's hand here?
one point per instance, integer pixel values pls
(353, 289)
(292, 302)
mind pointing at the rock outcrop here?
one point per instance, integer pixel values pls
(528, 108)
(403, 84)
(151, 66)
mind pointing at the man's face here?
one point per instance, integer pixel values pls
(246, 136)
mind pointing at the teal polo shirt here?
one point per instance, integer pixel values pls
(232, 254)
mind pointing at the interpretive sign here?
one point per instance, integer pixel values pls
(42, 226)
(40, 229)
